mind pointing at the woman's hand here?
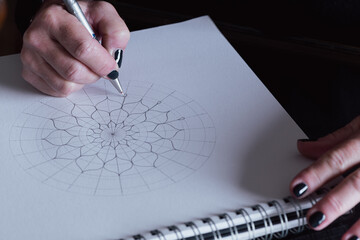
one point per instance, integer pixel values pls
(335, 154)
(60, 56)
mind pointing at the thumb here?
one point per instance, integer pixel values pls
(314, 149)
(109, 25)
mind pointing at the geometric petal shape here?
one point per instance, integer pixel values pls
(152, 136)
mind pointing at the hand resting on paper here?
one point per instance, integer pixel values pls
(59, 55)
(335, 154)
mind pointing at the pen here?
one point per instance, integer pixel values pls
(74, 8)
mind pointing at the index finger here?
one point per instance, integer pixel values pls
(314, 149)
(330, 165)
(111, 27)
(73, 36)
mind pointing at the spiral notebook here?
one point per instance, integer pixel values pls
(197, 134)
(274, 219)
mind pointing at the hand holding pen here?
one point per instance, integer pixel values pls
(59, 56)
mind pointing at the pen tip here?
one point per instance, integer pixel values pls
(117, 85)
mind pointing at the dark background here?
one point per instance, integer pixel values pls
(306, 52)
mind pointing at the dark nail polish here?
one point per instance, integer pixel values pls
(300, 189)
(316, 219)
(118, 55)
(113, 75)
(354, 238)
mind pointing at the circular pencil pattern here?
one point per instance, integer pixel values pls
(101, 143)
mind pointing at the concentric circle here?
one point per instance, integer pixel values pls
(101, 143)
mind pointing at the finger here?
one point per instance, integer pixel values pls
(67, 67)
(331, 164)
(37, 82)
(353, 232)
(111, 27)
(337, 202)
(314, 149)
(70, 33)
(58, 58)
(62, 87)
(38, 65)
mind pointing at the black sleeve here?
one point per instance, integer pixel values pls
(25, 10)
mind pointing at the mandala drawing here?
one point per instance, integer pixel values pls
(99, 142)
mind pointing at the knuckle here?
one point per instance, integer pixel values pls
(32, 38)
(26, 58)
(355, 181)
(64, 89)
(335, 161)
(72, 73)
(49, 18)
(83, 48)
(104, 6)
(336, 204)
(310, 175)
(124, 34)
(34, 35)
(338, 159)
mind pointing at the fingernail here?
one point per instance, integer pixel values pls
(118, 55)
(300, 189)
(354, 238)
(316, 219)
(113, 75)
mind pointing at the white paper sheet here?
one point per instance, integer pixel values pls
(197, 134)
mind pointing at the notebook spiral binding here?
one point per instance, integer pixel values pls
(264, 221)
